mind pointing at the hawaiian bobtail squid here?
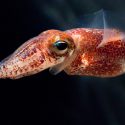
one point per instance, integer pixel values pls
(80, 51)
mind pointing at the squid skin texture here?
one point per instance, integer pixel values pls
(95, 58)
(34, 55)
(96, 54)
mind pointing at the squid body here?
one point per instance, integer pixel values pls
(80, 51)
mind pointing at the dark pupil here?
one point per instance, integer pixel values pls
(61, 45)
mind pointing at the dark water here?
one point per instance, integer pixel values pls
(56, 100)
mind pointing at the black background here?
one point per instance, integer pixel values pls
(55, 100)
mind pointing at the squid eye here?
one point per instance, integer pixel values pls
(61, 45)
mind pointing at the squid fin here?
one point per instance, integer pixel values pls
(111, 22)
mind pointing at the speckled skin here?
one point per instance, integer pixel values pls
(97, 59)
(35, 55)
(94, 55)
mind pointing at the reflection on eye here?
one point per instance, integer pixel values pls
(61, 45)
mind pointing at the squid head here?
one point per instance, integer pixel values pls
(50, 49)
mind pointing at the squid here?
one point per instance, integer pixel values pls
(80, 51)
